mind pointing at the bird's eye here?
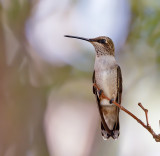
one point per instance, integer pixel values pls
(102, 41)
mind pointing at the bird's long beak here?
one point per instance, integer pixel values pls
(81, 38)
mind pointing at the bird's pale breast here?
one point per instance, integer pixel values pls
(106, 75)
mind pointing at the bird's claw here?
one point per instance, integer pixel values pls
(100, 92)
(111, 101)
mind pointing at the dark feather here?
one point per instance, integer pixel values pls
(119, 94)
(119, 85)
(93, 80)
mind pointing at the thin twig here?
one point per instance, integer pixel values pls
(146, 112)
(148, 127)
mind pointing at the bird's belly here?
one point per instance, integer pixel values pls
(110, 115)
(107, 81)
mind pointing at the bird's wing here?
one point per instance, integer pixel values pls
(119, 85)
(119, 94)
(99, 106)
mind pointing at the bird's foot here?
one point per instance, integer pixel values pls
(100, 92)
(111, 101)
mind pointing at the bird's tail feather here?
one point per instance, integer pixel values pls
(115, 132)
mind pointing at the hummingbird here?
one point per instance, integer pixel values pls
(107, 76)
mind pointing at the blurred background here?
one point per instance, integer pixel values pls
(46, 103)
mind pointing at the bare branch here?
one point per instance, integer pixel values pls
(146, 126)
(146, 112)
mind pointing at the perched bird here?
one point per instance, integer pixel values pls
(107, 76)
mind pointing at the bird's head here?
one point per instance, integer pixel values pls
(103, 45)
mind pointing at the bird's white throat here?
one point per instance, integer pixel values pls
(104, 62)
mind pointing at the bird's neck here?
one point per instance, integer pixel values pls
(104, 61)
(100, 50)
